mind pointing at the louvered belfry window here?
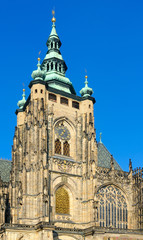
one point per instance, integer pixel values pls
(62, 201)
(58, 146)
(66, 149)
(112, 211)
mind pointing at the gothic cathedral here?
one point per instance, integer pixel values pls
(61, 183)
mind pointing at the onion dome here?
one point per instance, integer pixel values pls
(21, 103)
(38, 74)
(86, 91)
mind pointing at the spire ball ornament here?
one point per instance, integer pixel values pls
(53, 19)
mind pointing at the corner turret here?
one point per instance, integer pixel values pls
(21, 103)
(86, 91)
(38, 74)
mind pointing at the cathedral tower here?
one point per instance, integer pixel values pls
(63, 184)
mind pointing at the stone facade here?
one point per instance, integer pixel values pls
(59, 188)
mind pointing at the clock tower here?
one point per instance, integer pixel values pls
(63, 185)
(54, 148)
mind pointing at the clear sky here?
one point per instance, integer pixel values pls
(103, 36)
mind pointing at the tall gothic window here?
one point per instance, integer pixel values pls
(62, 201)
(58, 146)
(66, 149)
(112, 211)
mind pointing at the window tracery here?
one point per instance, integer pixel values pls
(62, 201)
(112, 209)
(62, 142)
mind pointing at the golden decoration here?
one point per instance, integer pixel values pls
(53, 13)
(53, 19)
(62, 201)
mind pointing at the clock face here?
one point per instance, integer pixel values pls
(62, 132)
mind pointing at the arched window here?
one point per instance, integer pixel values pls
(51, 66)
(58, 146)
(112, 211)
(66, 149)
(62, 201)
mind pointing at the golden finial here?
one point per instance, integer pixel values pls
(23, 90)
(86, 74)
(39, 55)
(53, 19)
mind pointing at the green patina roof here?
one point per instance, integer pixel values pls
(5, 168)
(86, 91)
(21, 103)
(104, 157)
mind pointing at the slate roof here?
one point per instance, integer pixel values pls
(5, 168)
(104, 157)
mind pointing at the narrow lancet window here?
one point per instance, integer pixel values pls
(66, 149)
(57, 146)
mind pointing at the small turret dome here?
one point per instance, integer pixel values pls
(21, 103)
(86, 91)
(38, 74)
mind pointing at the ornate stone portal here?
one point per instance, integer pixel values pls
(64, 185)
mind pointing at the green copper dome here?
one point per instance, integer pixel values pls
(38, 74)
(86, 91)
(21, 103)
(54, 66)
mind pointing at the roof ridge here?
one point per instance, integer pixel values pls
(3, 159)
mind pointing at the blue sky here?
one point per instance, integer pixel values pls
(104, 37)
